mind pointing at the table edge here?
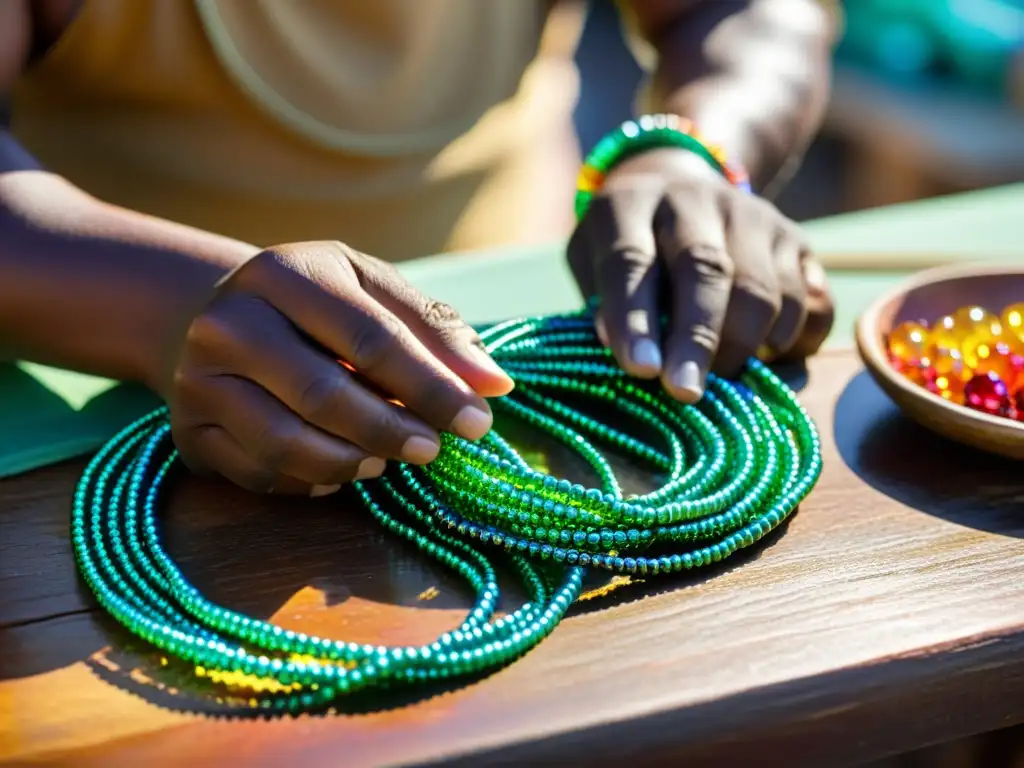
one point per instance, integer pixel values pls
(679, 733)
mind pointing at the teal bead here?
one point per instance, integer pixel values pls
(734, 467)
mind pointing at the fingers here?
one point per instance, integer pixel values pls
(317, 290)
(441, 329)
(624, 251)
(275, 441)
(793, 296)
(701, 275)
(755, 300)
(266, 349)
(820, 310)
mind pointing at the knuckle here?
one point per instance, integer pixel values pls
(319, 397)
(705, 337)
(369, 270)
(210, 330)
(711, 263)
(442, 316)
(373, 342)
(633, 257)
(758, 299)
(263, 266)
(748, 210)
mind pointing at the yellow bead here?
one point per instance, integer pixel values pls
(906, 343)
(589, 179)
(984, 353)
(944, 336)
(972, 316)
(1012, 319)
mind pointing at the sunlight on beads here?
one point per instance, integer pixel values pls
(945, 361)
(1012, 319)
(973, 316)
(971, 357)
(907, 342)
(987, 393)
(949, 388)
(731, 469)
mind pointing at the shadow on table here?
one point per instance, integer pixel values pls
(315, 566)
(927, 472)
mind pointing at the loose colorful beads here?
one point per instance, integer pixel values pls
(971, 357)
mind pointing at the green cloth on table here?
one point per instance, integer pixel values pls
(47, 415)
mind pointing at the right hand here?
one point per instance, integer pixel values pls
(257, 393)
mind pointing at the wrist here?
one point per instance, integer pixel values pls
(100, 289)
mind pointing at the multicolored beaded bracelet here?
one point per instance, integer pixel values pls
(640, 135)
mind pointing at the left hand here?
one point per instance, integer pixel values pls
(667, 234)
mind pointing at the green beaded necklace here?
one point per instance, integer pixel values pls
(735, 466)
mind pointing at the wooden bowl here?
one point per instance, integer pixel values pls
(929, 295)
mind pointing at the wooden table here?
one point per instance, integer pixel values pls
(889, 614)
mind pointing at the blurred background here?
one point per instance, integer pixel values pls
(928, 99)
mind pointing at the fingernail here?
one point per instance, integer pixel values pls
(323, 490)
(646, 355)
(489, 364)
(814, 275)
(686, 381)
(471, 423)
(371, 467)
(420, 450)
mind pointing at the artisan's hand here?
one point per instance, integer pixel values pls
(733, 274)
(257, 393)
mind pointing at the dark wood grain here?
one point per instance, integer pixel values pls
(888, 614)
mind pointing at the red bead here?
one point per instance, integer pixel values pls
(1018, 401)
(987, 393)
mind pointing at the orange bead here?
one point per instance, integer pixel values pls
(906, 344)
(1012, 319)
(918, 374)
(946, 362)
(949, 388)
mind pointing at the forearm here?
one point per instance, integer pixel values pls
(94, 287)
(753, 74)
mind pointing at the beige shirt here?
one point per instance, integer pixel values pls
(403, 127)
